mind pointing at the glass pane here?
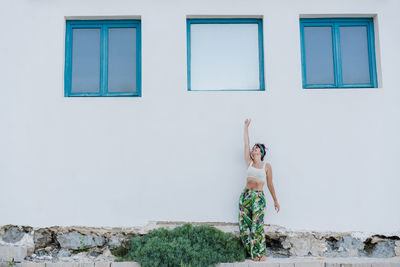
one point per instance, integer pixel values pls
(319, 55)
(85, 60)
(224, 56)
(354, 54)
(122, 59)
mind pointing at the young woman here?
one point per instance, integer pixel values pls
(252, 199)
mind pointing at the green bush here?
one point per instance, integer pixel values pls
(119, 251)
(186, 245)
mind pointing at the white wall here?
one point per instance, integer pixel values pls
(178, 155)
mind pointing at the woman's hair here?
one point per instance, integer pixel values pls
(262, 148)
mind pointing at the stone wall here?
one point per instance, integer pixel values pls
(76, 243)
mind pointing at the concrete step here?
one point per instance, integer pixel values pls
(319, 262)
(271, 262)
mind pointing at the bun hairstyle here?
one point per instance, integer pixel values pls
(263, 151)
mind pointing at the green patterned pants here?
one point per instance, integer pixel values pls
(251, 221)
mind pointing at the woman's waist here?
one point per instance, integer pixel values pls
(254, 185)
(249, 190)
(255, 179)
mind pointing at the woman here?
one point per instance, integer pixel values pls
(252, 199)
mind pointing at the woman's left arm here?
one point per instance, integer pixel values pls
(270, 186)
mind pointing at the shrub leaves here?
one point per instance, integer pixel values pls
(202, 245)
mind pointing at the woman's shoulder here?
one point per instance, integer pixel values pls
(267, 165)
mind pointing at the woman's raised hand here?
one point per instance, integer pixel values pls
(247, 122)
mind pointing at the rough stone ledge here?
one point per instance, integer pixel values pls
(271, 262)
(77, 244)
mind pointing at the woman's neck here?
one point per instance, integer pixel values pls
(257, 161)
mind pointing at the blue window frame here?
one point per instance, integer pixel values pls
(338, 52)
(222, 57)
(102, 58)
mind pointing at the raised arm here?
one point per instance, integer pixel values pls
(247, 142)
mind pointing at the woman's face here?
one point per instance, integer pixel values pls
(255, 150)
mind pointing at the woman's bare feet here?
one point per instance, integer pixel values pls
(255, 259)
(263, 258)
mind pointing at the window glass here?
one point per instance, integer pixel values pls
(122, 59)
(354, 54)
(319, 55)
(85, 60)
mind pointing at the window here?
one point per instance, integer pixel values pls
(103, 58)
(338, 52)
(225, 54)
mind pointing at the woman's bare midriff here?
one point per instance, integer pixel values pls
(254, 183)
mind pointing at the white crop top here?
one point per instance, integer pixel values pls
(257, 172)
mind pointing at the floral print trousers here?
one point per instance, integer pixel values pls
(251, 221)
